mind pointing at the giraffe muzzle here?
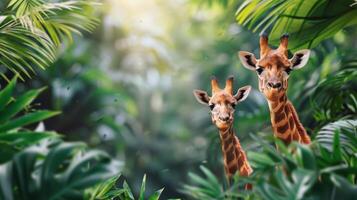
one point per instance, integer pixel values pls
(274, 85)
(224, 118)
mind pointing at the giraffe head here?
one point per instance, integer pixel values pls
(222, 102)
(273, 68)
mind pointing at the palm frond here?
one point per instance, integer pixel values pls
(308, 22)
(31, 33)
(21, 49)
(335, 97)
(346, 130)
(294, 172)
(59, 20)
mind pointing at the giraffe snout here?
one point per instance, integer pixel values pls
(224, 118)
(275, 84)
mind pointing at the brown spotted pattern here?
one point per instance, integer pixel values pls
(285, 122)
(234, 157)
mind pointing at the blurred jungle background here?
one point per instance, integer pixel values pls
(96, 94)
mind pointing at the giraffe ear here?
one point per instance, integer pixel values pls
(201, 96)
(300, 59)
(248, 59)
(242, 93)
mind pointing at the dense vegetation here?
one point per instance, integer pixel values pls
(98, 96)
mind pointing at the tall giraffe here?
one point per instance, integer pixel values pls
(273, 70)
(222, 104)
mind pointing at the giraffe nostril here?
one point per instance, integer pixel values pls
(274, 85)
(277, 85)
(224, 118)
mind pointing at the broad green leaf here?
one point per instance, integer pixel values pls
(336, 149)
(284, 184)
(260, 160)
(306, 157)
(7, 151)
(27, 119)
(346, 190)
(19, 104)
(22, 139)
(6, 94)
(341, 169)
(303, 181)
(56, 157)
(12, 143)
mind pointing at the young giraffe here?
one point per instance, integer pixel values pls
(222, 105)
(273, 69)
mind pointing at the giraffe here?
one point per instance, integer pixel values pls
(273, 70)
(222, 105)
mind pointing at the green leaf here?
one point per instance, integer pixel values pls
(306, 157)
(346, 190)
(345, 131)
(142, 188)
(307, 22)
(211, 177)
(12, 143)
(63, 170)
(22, 139)
(260, 160)
(20, 103)
(336, 149)
(31, 35)
(128, 193)
(103, 190)
(156, 195)
(7, 151)
(6, 94)
(27, 119)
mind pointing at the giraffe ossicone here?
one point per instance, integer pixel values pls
(222, 103)
(273, 69)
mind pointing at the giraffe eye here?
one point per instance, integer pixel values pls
(288, 70)
(233, 105)
(211, 106)
(259, 70)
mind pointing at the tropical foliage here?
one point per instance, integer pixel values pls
(326, 169)
(14, 137)
(32, 30)
(308, 23)
(109, 190)
(63, 170)
(123, 104)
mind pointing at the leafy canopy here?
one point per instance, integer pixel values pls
(308, 22)
(31, 31)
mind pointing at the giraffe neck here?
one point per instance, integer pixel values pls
(285, 121)
(234, 156)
